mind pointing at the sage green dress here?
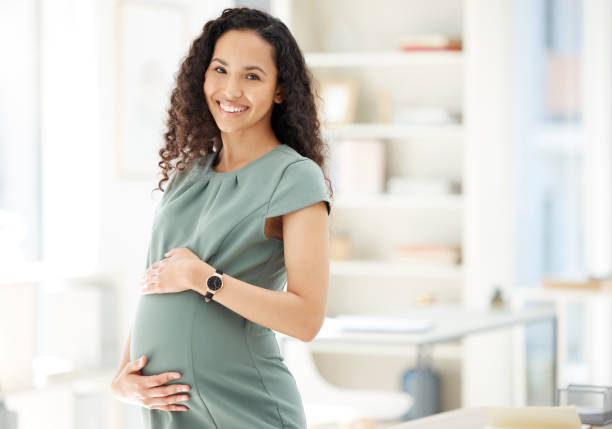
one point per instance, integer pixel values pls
(237, 375)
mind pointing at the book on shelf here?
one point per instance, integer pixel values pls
(588, 283)
(430, 42)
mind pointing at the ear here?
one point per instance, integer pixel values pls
(279, 95)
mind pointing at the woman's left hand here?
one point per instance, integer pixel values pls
(170, 275)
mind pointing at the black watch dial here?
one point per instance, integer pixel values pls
(214, 283)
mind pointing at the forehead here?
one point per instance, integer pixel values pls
(244, 47)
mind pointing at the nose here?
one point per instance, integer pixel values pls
(233, 88)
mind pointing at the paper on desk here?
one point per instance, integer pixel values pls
(349, 322)
(532, 418)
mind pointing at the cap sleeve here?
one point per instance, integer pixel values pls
(301, 185)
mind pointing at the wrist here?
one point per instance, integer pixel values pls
(201, 271)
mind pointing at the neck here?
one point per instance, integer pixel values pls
(242, 147)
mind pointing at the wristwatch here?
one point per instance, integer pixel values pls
(214, 283)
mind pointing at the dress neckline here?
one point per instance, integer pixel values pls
(241, 169)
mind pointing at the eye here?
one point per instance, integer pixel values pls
(220, 68)
(254, 76)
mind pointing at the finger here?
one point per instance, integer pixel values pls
(168, 390)
(166, 400)
(171, 408)
(160, 379)
(137, 364)
(151, 287)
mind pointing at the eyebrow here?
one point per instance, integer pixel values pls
(246, 68)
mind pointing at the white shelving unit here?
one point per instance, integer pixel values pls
(348, 41)
(330, 54)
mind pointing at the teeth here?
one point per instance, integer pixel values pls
(232, 109)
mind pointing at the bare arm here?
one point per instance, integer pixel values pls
(300, 311)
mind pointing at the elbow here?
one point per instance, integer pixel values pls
(313, 330)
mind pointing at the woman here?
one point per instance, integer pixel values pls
(246, 211)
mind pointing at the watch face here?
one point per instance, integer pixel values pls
(214, 283)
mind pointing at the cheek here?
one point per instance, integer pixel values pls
(210, 84)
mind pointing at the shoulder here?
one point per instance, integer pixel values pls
(299, 183)
(296, 165)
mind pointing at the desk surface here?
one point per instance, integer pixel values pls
(450, 323)
(462, 418)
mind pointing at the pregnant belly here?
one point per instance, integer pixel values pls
(162, 330)
(179, 330)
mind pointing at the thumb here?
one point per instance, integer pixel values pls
(137, 364)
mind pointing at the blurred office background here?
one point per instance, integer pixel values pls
(472, 163)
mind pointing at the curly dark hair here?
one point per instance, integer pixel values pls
(191, 129)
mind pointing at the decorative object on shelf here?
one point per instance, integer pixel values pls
(593, 403)
(425, 299)
(424, 115)
(497, 299)
(339, 100)
(430, 42)
(590, 283)
(360, 167)
(409, 186)
(427, 254)
(340, 246)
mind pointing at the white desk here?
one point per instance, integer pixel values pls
(478, 418)
(450, 323)
(462, 418)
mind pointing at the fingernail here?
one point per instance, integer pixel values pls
(177, 376)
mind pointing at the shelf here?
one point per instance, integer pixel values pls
(390, 58)
(390, 201)
(372, 268)
(394, 131)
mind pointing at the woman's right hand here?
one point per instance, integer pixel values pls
(131, 387)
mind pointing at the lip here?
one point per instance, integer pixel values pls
(230, 114)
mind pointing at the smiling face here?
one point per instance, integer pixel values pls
(240, 82)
